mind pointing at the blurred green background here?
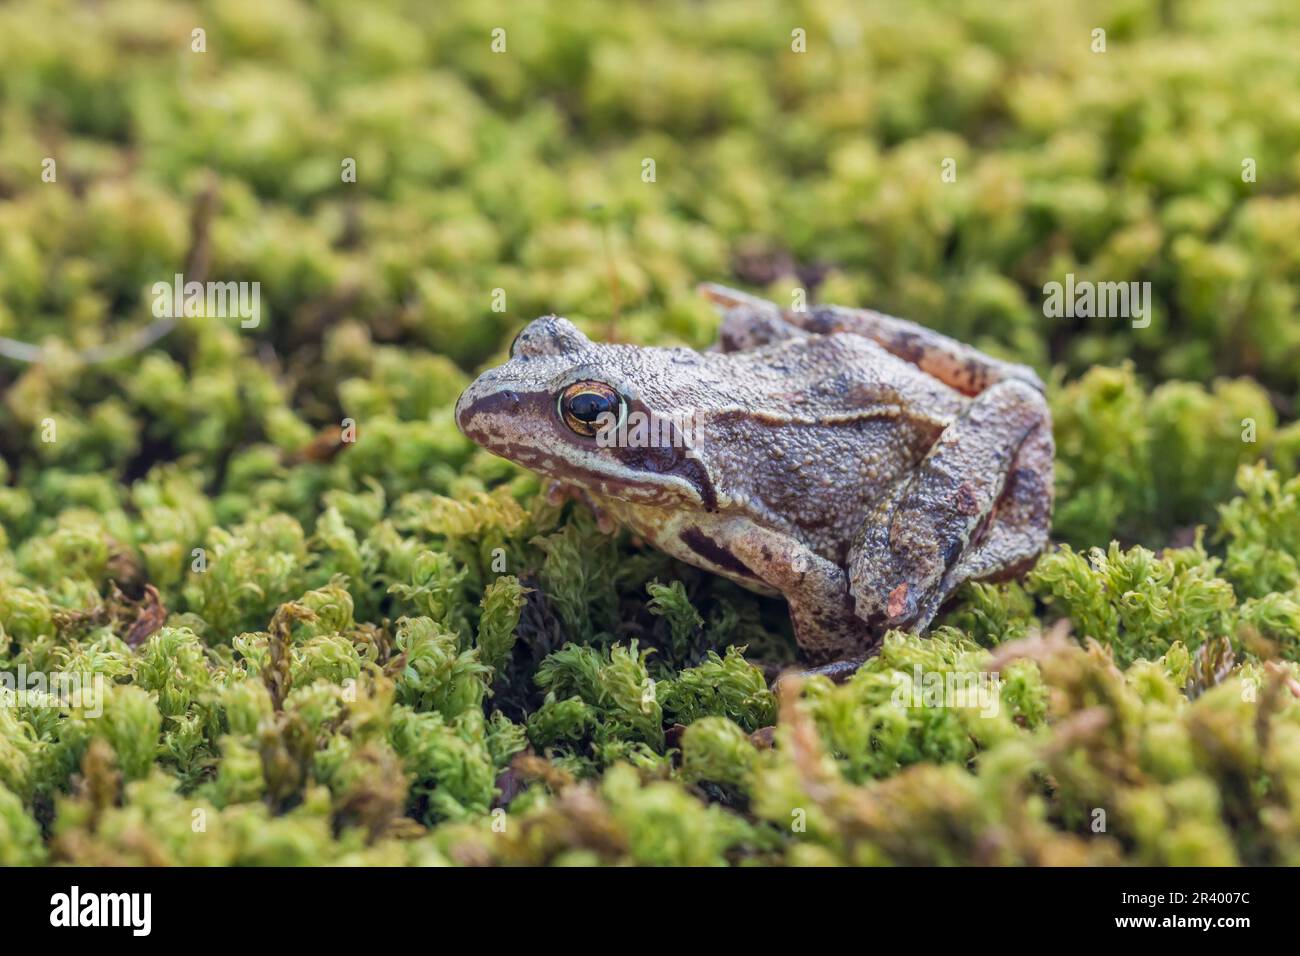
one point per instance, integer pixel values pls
(521, 170)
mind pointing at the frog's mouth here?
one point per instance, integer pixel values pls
(524, 428)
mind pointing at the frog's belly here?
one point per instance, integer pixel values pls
(695, 538)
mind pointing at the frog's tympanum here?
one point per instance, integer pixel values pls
(859, 465)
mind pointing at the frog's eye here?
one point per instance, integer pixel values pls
(587, 407)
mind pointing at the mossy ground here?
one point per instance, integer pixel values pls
(392, 651)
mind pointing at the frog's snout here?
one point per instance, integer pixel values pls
(479, 403)
(462, 411)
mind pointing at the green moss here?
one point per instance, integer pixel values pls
(715, 749)
(1134, 464)
(614, 683)
(1135, 603)
(20, 837)
(436, 675)
(131, 725)
(726, 686)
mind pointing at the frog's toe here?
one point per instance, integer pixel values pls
(900, 605)
(837, 671)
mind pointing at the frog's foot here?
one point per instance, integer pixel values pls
(978, 505)
(558, 492)
(838, 671)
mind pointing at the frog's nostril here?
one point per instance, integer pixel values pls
(470, 410)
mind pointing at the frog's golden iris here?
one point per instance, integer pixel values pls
(585, 407)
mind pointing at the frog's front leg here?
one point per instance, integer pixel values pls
(816, 590)
(977, 505)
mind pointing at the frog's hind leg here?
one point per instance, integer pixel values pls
(954, 363)
(748, 321)
(1014, 533)
(1017, 530)
(727, 298)
(752, 321)
(978, 504)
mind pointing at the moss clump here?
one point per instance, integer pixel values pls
(1135, 463)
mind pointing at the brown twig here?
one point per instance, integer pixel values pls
(197, 263)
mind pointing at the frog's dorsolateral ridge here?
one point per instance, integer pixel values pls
(859, 465)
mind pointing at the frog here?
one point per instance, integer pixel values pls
(862, 467)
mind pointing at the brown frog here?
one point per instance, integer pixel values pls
(859, 465)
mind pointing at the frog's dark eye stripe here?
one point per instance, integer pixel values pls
(586, 407)
(514, 343)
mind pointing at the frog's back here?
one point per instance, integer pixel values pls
(816, 430)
